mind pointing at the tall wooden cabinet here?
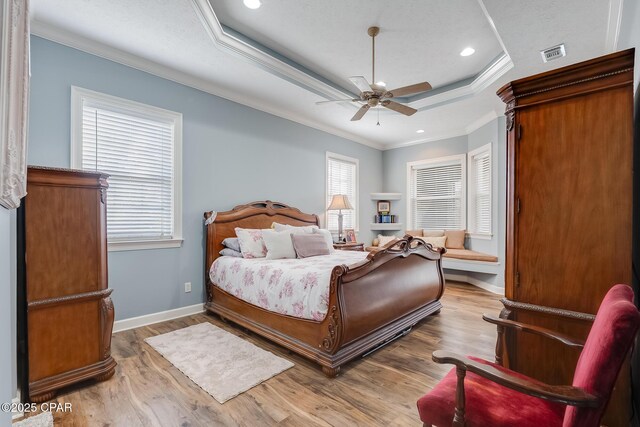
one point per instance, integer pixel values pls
(66, 314)
(569, 208)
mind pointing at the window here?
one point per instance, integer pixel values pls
(140, 147)
(437, 193)
(480, 191)
(342, 178)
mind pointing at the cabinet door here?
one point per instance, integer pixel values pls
(574, 182)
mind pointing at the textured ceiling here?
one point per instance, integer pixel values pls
(419, 40)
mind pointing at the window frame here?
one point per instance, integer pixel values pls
(472, 192)
(439, 161)
(356, 205)
(78, 97)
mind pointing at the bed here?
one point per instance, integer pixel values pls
(370, 302)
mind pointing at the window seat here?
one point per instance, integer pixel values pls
(469, 255)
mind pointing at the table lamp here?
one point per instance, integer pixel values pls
(340, 202)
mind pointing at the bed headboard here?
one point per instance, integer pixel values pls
(252, 215)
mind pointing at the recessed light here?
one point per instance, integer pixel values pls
(420, 131)
(252, 4)
(467, 51)
(381, 83)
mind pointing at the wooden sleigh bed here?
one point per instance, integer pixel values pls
(370, 303)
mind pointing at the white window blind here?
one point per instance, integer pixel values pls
(342, 178)
(138, 151)
(480, 203)
(437, 194)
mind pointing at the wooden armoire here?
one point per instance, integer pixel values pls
(569, 210)
(65, 313)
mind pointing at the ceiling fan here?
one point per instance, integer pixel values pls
(374, 94)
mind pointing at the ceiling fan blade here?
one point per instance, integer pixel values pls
(408, 90)
(361, 112)
(402, 109)
(361, 83)
(339, 100)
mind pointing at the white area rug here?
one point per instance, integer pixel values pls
(222, 364)
(44, 419)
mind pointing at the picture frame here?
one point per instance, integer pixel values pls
(350, 235)
(384, 207)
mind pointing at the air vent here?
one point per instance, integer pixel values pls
(553, 53)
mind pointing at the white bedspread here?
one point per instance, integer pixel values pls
(295, 287)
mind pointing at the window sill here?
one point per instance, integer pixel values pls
(480, 236)
(139, 245)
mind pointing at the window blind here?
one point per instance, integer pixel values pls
(481, 172)
(137, 153)
(436, 196)
(342, 176)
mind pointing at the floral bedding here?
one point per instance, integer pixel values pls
(295, 287)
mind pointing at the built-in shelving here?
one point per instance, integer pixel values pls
(386, 196)
(386, 226)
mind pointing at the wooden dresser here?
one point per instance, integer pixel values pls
(569, 209)
(65, 312)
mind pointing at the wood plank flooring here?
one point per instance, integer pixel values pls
(379, 390)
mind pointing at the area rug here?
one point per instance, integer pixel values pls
(44, 419)
(222, 364)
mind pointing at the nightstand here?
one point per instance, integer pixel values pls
(351, 246)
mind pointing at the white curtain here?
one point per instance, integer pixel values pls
(14, 101)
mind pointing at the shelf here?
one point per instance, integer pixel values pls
(386, 196)
(381, 226)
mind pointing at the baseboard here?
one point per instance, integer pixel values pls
(475, 282)
(162, 316)
(16, 404)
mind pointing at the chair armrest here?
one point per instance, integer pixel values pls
(537, 330)
(558, 393)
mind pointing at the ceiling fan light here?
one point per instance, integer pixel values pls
(252, 4)
(420, 131)
(467, 51)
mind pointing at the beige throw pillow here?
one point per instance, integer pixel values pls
(383, 240)
(455, 239)
(433, 233)
(437, 242)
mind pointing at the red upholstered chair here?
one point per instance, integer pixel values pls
(477, 393)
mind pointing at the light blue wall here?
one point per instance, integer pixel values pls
(232, 154)
(395, 180)
(7, 349)
(630, 33)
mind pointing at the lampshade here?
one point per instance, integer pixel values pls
(339, 202)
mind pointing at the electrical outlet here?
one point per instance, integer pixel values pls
(187, 287)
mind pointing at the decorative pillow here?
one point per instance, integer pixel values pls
(455, 239)
(286, 227)
(414, 233)
(251, 243)
(230, 252)
(327, 236)
(278, 243)
(433, 233)
(232, 243)
(383, 240)
(437, 242)
(308, 245)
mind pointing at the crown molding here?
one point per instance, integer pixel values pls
(464, 131)
(613, 25)
(230, 44)
(101, 50)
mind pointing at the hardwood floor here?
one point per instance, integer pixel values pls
(380, 389)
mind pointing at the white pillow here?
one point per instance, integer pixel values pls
(383, 240)
(432, 233)
(293, 229)
(251, 242)
(437, 242)
(279, 244)
(328, 237)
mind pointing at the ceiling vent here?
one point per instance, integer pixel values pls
(553, 53)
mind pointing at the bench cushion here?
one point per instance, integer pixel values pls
(469, 255)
